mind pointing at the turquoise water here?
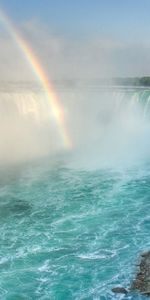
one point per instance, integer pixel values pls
(73, 226)
(71, 233)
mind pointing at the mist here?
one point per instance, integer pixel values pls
(110, 128)
(101, 122)
(73, 57)
(27, 127)
(107, 126)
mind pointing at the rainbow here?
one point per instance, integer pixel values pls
(36, 66)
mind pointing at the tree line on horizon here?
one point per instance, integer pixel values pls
(135, 81)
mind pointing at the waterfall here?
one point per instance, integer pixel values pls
(27, 127)
(104, 115)
(132, 98)
(29, 105)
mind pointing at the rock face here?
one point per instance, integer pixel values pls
(142, 279)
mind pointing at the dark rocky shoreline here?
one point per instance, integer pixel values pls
(141, 283)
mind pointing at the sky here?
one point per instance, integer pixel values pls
(85, 17)
(80, 38)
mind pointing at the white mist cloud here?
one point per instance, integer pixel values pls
(88, 57)
(89, 116)
(73, 57)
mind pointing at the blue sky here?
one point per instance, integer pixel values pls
(81, 38)
(114, 18)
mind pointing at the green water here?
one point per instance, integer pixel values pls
(69, 233)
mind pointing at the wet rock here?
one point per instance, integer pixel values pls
(119, 290)
(145, 254)
(141, 282)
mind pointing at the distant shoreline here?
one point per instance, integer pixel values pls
(110, 83)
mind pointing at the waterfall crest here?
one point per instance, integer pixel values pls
(106, 118)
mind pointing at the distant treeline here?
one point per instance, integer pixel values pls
(121, 81)
(135, 81)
